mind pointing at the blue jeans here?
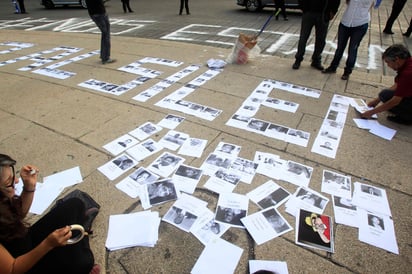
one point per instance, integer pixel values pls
(403, 109)
(310, 20)
(355, 34)
(102, 22)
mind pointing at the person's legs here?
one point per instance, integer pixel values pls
(396, 10)
(343, 37)
(21, 6)
(305, 29)
(187, 6)
(356, 36)
(76, 258)
(321, 29)
(403, 111)
(181, 6)
(128, 6)
(124, 5)
(102, 22)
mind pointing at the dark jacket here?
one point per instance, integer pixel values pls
(328, 8)
(95, 7)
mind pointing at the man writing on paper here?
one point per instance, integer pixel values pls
(398, 98)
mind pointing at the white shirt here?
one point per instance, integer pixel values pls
(357, 13)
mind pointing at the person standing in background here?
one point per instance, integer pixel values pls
(316, 13)
(353, 27)
(98, 14)
(126, 6)
(21, 6)
(185, 4)
(280, 8)
(16, 6)
(396, 10)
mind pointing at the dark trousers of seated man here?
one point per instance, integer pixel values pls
(403, 110)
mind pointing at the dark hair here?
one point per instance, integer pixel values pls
(11, 221)
(396, 51)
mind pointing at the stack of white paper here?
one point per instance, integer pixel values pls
(133, 229)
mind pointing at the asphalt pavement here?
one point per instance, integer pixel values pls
(58, 124)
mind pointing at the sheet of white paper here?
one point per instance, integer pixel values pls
(265, 225)
(345, 212)
(222, 181)
(193, 147)
(378, 230)
(166, 164)
(371, 198)
(171, 121)
(120, 144)
(185, 212)
(274, 266)
(44, 196)
(308, 199)
(65, 178)
(383, 132)
(144, 149)
(146, 130)
(231, 207)
(268, 194)
(336, 184)
(186, 178)
(245, 168)
(173, 139)
(206, 229)
(219, 257)
(365, 123)
(116, 167)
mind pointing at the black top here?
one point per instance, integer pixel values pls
(322, 6)
(95, 7)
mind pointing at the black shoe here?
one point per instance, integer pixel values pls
(399, 120)
(317, 66)
(285, 19)
(329, 70)
(277, 17)
(388, 32)
(345, 76)
(296, 65)
(407, 34)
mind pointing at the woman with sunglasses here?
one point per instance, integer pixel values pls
(42, 247)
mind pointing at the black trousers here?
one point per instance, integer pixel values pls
(310, 20)
(403, 110)
(280, 4)
(76, 258)
(396, 10)
(185, 4)
(126, 5)
(21, 6)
